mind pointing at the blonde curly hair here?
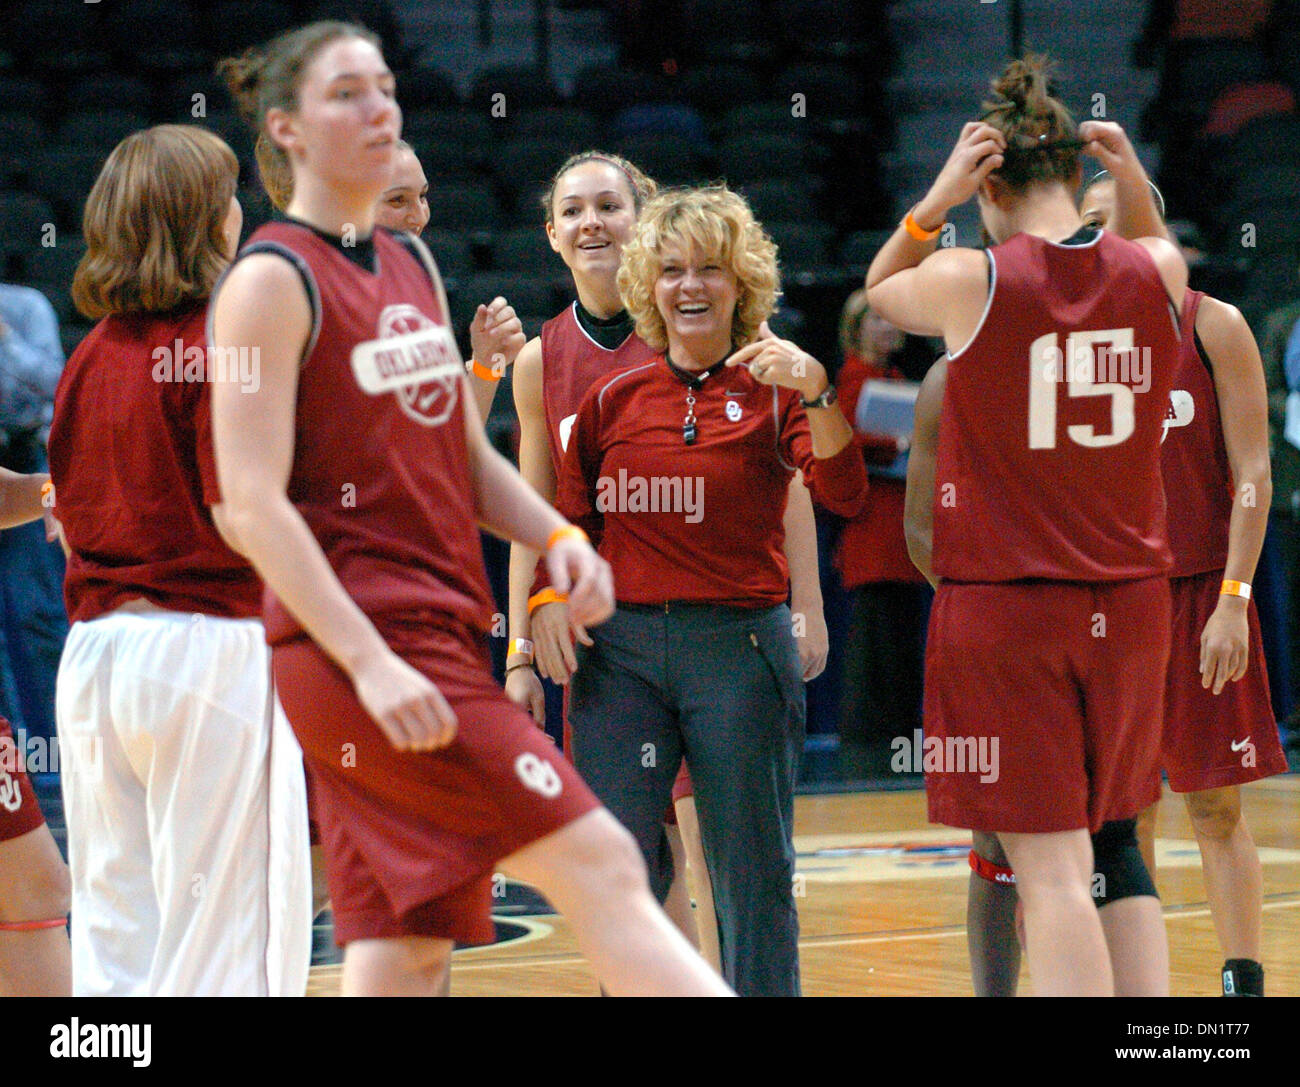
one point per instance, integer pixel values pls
(710, 220)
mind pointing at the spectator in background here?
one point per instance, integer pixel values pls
(33, 624)
(884, 654)
(1280, 350)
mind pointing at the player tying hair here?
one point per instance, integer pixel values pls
(1219, 731)
(34, 888)
(1034, 502)
(355, 478)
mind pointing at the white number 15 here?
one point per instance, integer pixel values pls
(1046, 368)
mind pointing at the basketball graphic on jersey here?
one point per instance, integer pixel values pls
(1181, 411)
(411, 346)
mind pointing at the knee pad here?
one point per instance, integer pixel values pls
(1118, 862)
(994, 873)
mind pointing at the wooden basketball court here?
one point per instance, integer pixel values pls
(882, 904)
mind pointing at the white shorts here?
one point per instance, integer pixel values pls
(186, 808)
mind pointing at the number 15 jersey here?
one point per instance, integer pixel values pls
(1049, 440)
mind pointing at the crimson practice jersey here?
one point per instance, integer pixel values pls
(381, 461)
(131, 459)
(1049, 441)
(1194, 460)
(571, 363)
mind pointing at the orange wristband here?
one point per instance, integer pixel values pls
(914, 229)
(545, 596)
(563, 533)
(1235, 588)
(479, 370)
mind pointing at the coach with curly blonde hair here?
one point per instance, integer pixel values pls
(678, 470)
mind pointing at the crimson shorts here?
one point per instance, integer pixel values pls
(682, 785)
(19, 812)
(1043, 703)
(411, 838)
(1211, 741)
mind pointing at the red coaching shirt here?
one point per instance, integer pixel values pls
(703, 521)
(571, 363)
(131, 458)
(381, 459)
(1194, 460)
(1049, 441)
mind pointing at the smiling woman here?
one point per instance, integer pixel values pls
(700, 660)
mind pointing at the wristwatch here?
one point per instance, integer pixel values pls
(828, 397)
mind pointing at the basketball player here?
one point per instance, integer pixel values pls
(591, 208)
(1219, 729)
(404, 205)
(354, 478)
(34, 954)
(496, 333)
(1217, 688)
(1041, 510)
(183, 787)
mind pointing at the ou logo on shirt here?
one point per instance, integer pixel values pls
(11, 797)
(538, 775)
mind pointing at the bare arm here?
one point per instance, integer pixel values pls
(537, 470)
(20, 497)
(1171, 265)
(1243, 412)
(941, 293)
(918, 507)
(550, 635)
(805, 579)
(1136, 214)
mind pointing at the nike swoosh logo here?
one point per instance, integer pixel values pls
(1240, 745)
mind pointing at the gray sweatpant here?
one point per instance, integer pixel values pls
(720, 686)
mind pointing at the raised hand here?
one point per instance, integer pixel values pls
(496, 336)
(774, 361)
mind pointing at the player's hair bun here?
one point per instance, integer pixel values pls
(1025, 85)
(1042, 138)
(242, 76)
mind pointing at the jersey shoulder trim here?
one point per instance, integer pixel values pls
(266, 245)
(419, 251)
